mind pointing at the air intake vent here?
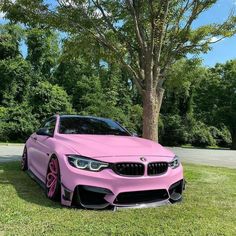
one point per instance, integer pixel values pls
(157, 168)
(129, 169)
(141, 197)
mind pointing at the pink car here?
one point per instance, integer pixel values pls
(96, 163)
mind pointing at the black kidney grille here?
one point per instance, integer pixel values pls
(157, 168)
(129, 169)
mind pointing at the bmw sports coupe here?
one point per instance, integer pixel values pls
(95, 163)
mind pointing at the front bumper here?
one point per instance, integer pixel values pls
(99, 190)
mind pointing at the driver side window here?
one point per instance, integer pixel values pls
(50, 125)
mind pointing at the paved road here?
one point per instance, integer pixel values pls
(223, 158)
(10, 152)
(212, 157)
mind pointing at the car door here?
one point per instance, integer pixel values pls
(41, 150)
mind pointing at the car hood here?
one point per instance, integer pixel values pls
(108, 147)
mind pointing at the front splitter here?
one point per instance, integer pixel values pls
(143, 205)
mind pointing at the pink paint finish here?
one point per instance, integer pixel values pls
(112, 146)
(110, 149)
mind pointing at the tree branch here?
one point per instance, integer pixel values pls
(139, 33)
(159, 41)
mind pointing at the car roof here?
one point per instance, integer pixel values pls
(80, 116)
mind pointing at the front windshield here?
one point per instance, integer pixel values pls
(87, 125)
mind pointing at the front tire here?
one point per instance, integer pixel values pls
(24, 160)
(53, 185)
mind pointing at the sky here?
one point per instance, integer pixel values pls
(221, 51)
(225, 49)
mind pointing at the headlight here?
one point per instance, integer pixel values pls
(174, 163)
(85, 163)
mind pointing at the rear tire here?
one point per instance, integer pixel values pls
(24, 160)
(53, 180)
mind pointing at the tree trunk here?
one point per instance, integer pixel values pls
(152, 101)
(233, 134)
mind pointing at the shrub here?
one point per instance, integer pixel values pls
(47, 99)
(174, 132)
(201, 136)
(222, 136)
(17, 124)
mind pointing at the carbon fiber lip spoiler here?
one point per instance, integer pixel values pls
(143, 205)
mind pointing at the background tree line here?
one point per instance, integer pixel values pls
(199, 105)
(143, 37)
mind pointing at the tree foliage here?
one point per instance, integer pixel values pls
(219, 103)
(145, 37)
(199, 103)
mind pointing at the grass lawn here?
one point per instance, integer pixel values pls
(209, 208)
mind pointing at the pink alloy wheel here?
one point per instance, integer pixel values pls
(52, 177)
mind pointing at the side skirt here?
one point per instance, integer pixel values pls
(36, 179)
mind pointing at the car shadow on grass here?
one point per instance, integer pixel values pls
(26, 188)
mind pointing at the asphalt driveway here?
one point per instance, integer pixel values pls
(10, 152)
(212, 157)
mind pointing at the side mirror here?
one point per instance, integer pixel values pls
(135, 135)
(44, 132)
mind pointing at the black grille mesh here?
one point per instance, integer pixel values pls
(157, 168)
(129, 169)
